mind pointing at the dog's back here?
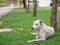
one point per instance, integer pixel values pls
(49, 31)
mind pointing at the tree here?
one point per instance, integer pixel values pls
(35, 8)
(26, 5)
(54, 14)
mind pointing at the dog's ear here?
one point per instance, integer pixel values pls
(41, 22)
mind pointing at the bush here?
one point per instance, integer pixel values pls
(2, 4)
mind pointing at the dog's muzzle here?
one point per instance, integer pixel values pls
(33, 28)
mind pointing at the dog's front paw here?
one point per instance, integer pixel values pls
(36, 37)
(29, 41)
(33, 33)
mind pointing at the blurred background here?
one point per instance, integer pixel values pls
(40, 3)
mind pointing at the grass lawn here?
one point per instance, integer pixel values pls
(19, 18)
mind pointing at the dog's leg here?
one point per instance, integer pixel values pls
(36, 40)
(36, 37)
(39, 39)
(34, 33)
(42, 37)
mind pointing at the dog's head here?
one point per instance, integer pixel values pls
(37, 25)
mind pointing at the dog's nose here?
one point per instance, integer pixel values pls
(31, 27)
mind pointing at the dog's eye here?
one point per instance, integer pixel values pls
(36, 24)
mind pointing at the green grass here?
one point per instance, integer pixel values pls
(19, 18)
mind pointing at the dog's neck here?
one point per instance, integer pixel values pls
(42, 26)
(39, 30)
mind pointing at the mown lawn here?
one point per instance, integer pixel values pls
(19, 18)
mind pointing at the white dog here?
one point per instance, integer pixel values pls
(43, 31)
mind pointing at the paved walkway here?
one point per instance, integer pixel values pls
(5, 10)
(5, 29)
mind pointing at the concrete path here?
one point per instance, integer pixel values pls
(5, 10)
(5, 29)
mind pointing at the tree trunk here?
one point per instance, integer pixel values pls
(54, 14)
(24, 4)
(27, 5)
(35, 8)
